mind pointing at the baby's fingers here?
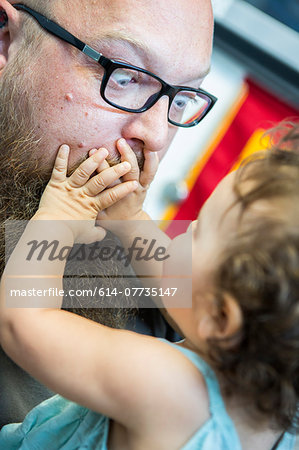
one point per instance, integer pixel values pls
(114, 194)
(104, 179)
(86, 169)
(103, 165)
(150, 167)
(127, 154)
(60, 166)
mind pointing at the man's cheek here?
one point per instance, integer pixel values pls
(161, 154)
(172, 134)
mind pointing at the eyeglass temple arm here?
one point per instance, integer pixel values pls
(60, 32)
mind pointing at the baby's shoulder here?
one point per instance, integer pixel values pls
(186, 383)
(181, 405)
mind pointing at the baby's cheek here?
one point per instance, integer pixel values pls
(180, 256)
(177, 272)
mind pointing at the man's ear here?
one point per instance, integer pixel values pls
(220, 322)
(9, 23)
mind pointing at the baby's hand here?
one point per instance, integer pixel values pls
(79, 198)
(131, 207)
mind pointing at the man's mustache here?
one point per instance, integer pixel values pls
(112, 161)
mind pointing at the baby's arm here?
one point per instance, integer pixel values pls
(128, 220)
(68, 210)
(107, 370)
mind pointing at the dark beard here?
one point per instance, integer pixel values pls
(23, 179)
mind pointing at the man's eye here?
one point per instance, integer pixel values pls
(181, 101)
(123, 78)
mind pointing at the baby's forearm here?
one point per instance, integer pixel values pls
(28, 283)
(145, 244)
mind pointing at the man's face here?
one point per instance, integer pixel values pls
(173, 42)
(51, 95)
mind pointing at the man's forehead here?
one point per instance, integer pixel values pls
(180, 12)
(117, 39)
(176, 35)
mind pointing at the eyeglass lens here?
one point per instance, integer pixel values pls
(188, 107)
(129, 88)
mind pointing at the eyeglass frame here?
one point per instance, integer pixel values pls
(109, 65)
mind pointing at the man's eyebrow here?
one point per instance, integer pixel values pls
(122, 38)
(138, 45)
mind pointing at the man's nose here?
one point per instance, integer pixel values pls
(151, 126)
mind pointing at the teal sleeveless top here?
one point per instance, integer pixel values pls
(219, 432)
(59, 424)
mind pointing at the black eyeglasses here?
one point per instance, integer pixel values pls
(132, 88)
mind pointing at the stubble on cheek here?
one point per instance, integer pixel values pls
(70, 118)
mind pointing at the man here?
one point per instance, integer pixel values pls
(52, 93)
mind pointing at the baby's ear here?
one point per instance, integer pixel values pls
(220, 322)
(9, 24)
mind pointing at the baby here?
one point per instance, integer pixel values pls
(232, 383)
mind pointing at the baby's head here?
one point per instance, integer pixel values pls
(257, 282)
(259, 268)
(246, 280)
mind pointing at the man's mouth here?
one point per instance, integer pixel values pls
(116, 159)
(113, 160)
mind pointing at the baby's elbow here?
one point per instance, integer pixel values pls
(6, 333)
(5, 318)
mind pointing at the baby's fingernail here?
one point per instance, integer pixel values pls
(126, 165)
(103, 151)
(64, 148)
(122, 141)
(92, 152)
(135, 183)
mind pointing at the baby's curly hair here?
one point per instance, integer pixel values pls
(260, 269)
